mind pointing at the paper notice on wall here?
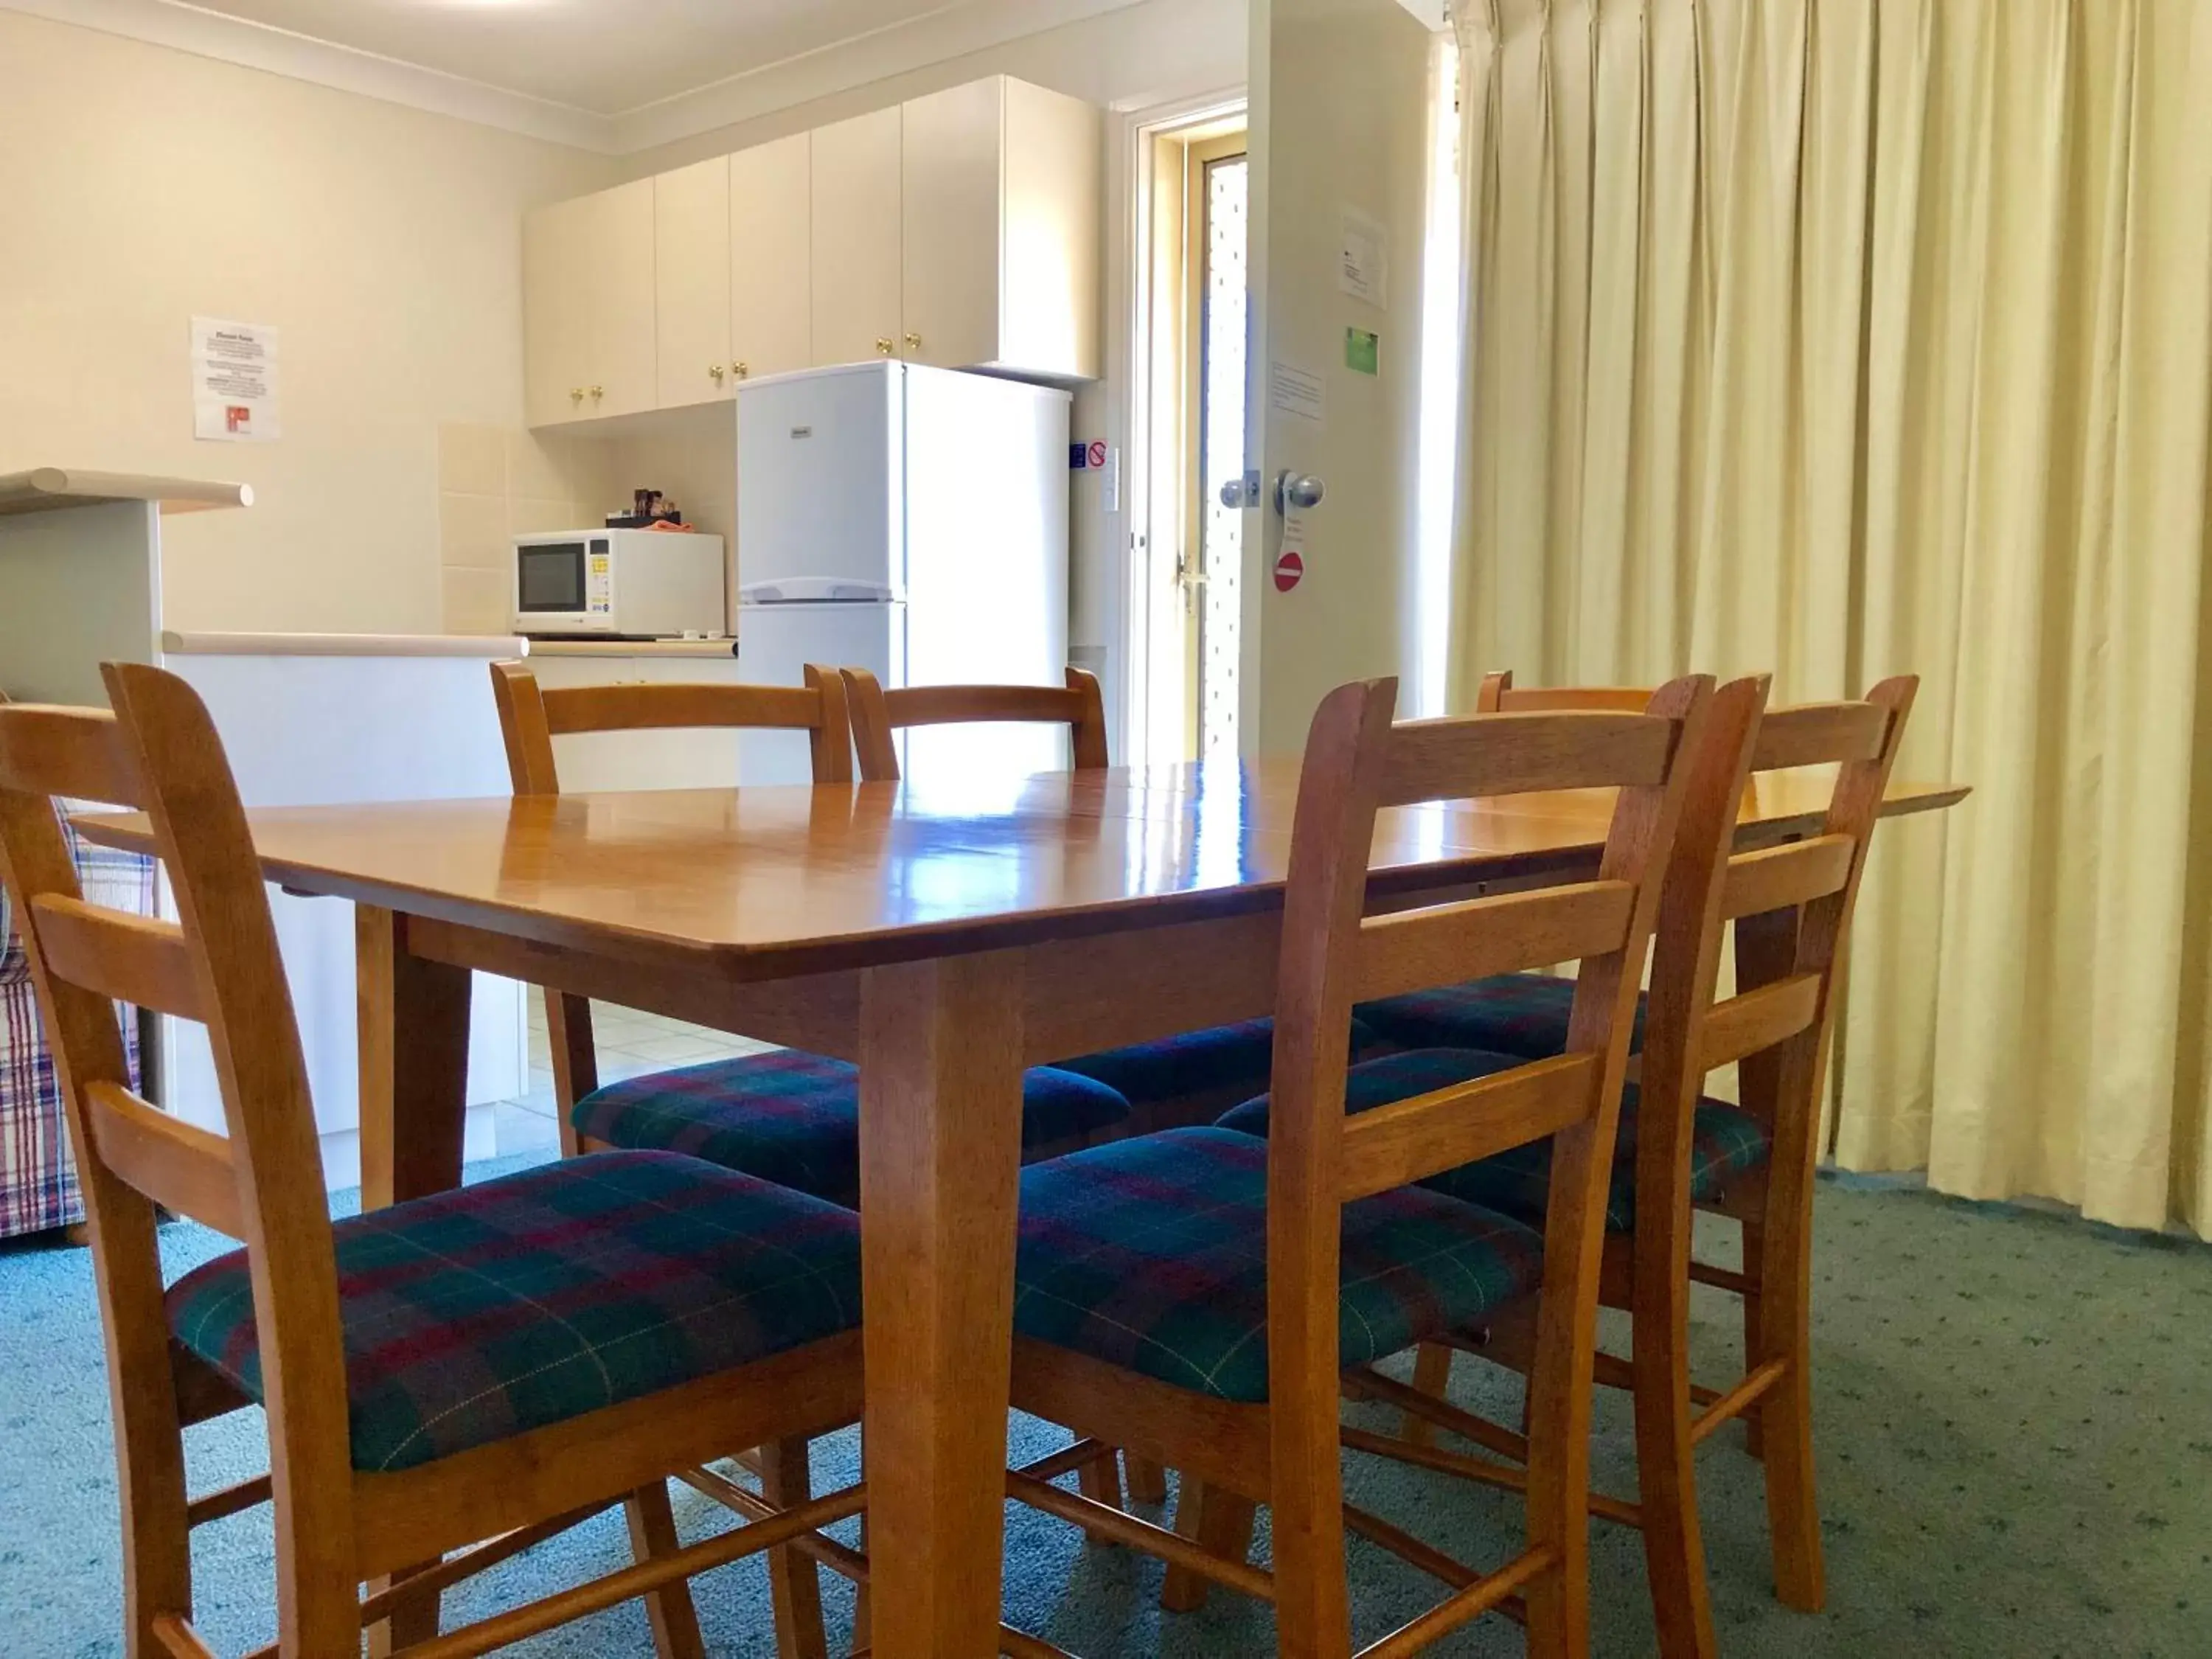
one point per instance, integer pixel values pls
(1363, 269)
(1293, 391)
(233, 381)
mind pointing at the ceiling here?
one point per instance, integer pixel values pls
(604, 56)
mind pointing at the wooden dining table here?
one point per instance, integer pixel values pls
(943, 934)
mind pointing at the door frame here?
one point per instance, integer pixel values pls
(1129, 251)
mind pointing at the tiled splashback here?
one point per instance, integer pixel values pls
(496, 482)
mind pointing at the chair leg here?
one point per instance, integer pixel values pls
(1793, 1512)
(651, 1534)
(1218, 1521)
(157, 1557)
(1101, 1482)
(1673, 1547)
(863, 1618)
(1754, 1252)
(794, 1582)
(1147, 1481)
(412, 1620)
(1432, 1365)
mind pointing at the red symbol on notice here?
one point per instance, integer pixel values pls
(1097, 453)
(1289, 569)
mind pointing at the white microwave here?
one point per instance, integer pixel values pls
(619, 584)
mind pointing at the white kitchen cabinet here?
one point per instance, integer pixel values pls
(588, 303)
(960, 230)
(999, 186)
(855, 238)
(691, 283)
(771, 257)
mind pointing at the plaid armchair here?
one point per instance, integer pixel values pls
(37, 1176)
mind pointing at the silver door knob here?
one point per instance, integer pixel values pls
(1295, 491)
(1240, 491)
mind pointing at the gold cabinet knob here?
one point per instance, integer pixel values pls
(743, 371)
(714, 369)
(886, 344)
(913, 342)
(575, 394)
(599, 391)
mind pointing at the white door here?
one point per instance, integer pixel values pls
(1339, 149)
(771, 257)
(856, 238)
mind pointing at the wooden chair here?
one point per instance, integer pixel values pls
(1201, 1297)
(381, 1460)
(879, 715)
(1752, 1162)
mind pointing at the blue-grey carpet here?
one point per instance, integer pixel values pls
(2015, 1438)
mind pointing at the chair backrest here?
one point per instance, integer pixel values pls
(1791, 906)
(1335, 953)
(530, 716)
(218, 965)
(877, 714)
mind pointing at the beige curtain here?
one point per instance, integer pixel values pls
(1844, 337)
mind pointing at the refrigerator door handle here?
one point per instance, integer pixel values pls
(815, 590)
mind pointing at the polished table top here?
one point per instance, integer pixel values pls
(764, 882)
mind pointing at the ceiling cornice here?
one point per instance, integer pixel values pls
(302, 58)
(954, 30)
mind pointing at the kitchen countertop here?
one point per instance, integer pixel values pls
(486, 645)
(724, 648)
(44, 489)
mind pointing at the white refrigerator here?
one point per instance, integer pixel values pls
(914, 522)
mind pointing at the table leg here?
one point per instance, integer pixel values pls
(940, 1156)
(414, 1031)
(414, 1018)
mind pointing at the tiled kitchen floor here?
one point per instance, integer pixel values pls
(628, 1042)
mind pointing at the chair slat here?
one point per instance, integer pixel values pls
(77, 753)
(1758, 1019)
(133, 959)
(652, 708)
(947, 705)
(1411, 949)
(170, 1161)
(1534, 699)
(1411, 1139)
(1514, 754)
(1794, 873)
(1814, 733)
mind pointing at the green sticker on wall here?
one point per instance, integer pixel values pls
(1362, 350)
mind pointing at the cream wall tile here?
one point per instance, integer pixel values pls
(526, 514)
(472, 531)
(471, 458)
(477, 602)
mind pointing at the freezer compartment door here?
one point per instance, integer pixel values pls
(820, 498)
(775, 644)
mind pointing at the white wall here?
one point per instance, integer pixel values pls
(143, 185)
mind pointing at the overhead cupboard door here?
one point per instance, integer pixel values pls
(692, 283)
(855, 236)
(771, 255)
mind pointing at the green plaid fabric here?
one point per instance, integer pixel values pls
(481, 1313)
(1726, 1141)
(794, 1118)
(1523, 1014)
(1151, 1254)
(1222, 1057)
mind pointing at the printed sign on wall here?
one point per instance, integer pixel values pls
(233, 381)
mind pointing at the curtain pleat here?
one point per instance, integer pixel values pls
(1847, 337)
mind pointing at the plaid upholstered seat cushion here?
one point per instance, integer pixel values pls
(1726, 1141)
(794, 1118)
(480, 1314)
(1221, 1057)
(1523, 1014)
(1152, 1254)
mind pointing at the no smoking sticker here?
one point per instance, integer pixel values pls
(1290, 570)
